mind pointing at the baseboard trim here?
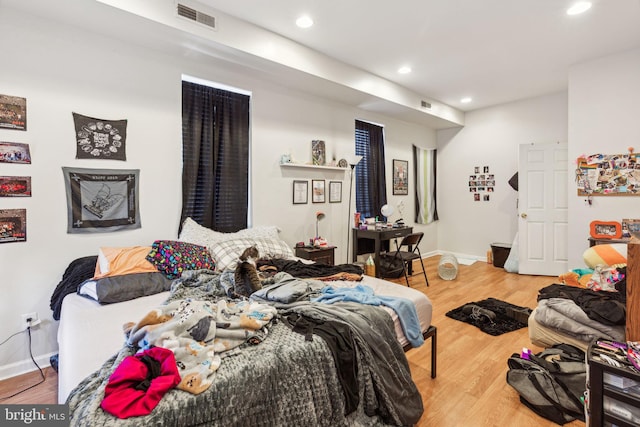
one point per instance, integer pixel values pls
(24, 366)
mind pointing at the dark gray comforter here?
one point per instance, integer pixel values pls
(283, 381)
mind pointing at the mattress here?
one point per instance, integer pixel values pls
(544, 336)
(90, 333)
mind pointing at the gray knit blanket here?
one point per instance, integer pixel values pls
(283, 381)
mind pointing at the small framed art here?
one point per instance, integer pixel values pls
(400, 177)
(13, 112)
(630, 227)
(15, 186)
(13, 225)
(605, 229)
(15, 152)
(317, 191)
(335, 191)
(300, 192)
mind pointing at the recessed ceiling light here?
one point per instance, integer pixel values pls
(304, 21)
(466, 100)
(404, 70)
(579, 7)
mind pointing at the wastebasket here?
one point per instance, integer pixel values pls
(500, 253)
(448, 266)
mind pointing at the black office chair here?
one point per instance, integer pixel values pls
(411, 253)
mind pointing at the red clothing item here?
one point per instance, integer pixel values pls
(123, 396)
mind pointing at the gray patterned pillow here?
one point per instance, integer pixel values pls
(226, 253)
(192, 232)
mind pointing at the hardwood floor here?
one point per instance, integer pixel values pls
(470, 388)
(45, 393)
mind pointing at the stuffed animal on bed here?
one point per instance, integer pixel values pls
(576, 277)
(246, 276)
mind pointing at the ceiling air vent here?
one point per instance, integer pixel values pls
(425, 104)
(197, 16)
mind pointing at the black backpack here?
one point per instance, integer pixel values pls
(551, 383)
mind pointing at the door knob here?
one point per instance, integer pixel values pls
(523, 215)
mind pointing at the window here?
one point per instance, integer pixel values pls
(215, 155)
(371, 185)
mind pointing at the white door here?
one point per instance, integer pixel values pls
(542, 209)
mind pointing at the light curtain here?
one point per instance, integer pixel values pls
(425, 175)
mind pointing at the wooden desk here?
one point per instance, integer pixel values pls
(378, 237)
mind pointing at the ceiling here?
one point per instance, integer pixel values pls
(493, 51)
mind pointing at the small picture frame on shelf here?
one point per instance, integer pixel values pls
(630, 227)
(318, 152)
(335, 191)
(317, 191)
(605, 229)
(300, 192)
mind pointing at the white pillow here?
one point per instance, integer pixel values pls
(226, 253)
(192, 232)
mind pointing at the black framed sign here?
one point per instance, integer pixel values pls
(317, 190)
(101, 200)
(335, 191)
(300, 192)
(400, 177)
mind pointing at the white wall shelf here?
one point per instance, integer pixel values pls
(303, 165)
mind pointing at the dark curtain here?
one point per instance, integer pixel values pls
(215, 155)
(371, 184)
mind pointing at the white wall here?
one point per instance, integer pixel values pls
(61, 69)
(491, 137)
(603, 118)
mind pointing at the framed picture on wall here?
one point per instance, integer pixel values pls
(15, 186)
(335, 191)
(300, 192)
(13, 112)
(400, 177)
(317, 190)
(15, 152)
(13, 225)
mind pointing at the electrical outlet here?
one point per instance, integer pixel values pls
(35, 320)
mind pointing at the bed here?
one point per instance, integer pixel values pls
(299, 381)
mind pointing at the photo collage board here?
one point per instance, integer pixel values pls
(482, 183)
